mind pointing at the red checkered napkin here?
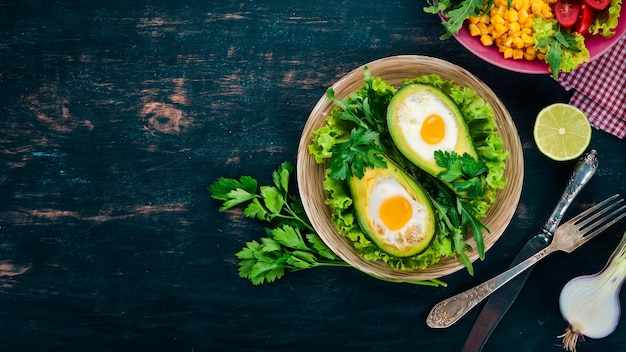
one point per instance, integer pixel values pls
(601, 89)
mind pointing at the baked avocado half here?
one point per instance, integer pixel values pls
(393, 210)
(421, 120)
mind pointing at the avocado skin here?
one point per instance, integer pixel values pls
(361, 188)
(464, 141)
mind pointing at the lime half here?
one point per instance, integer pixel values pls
(562, 132)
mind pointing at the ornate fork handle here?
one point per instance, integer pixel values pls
(447, 312)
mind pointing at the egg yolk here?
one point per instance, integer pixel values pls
(433, 129)
(395, 212)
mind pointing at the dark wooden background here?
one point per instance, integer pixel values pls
(115, 116)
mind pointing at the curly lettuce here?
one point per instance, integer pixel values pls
(564, 51)
(606, 20)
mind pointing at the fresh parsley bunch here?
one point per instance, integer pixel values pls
(290, 243)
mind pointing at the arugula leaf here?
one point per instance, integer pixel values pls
(461, 247)
(475, 225)
(564, 50)
(455, 13)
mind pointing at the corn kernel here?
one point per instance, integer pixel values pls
(501, 10)
(497, 19)
(473, 29)
(528, 23)
(500, 29)
(527, 39)
(522, 15)
(541, 56)
(482, 28)
(535, 6)
(486, 40)
(510, 28)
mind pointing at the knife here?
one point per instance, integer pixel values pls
(500, 301)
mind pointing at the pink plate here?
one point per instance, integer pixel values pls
(596, 45)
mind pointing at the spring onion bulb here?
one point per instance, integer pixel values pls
(590, 303)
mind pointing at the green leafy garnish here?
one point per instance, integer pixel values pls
(462, 172)
(606, 21)
(456, 12)
(363, 148)
(563, 50)
(290, 243)
(554, 47)
(352, 157)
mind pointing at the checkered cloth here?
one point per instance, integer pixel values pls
(601, 89)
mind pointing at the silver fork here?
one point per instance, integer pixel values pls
(567, 237)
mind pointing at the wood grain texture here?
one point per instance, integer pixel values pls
(115, 117)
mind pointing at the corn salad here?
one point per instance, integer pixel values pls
(510, 29)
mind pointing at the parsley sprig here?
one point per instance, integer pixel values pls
(364, 147)
(353, 156)
(290, 243)
(462, 172)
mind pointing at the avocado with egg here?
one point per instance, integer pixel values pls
(393, 210)
(421, 120)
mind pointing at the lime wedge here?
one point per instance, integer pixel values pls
(562, 132)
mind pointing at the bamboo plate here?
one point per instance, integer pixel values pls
(310, 175)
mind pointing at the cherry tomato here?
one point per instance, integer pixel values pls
(585, 18)
(566, 12)
(598, 4)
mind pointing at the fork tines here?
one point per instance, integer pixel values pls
(614, 203)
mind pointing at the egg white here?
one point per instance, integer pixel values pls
(413, 230)
(411, 116)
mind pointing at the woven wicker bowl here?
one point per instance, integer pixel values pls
(311, 175)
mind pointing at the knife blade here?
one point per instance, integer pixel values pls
(500, 301)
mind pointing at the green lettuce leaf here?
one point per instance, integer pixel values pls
(564, 51)
(606, 20)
